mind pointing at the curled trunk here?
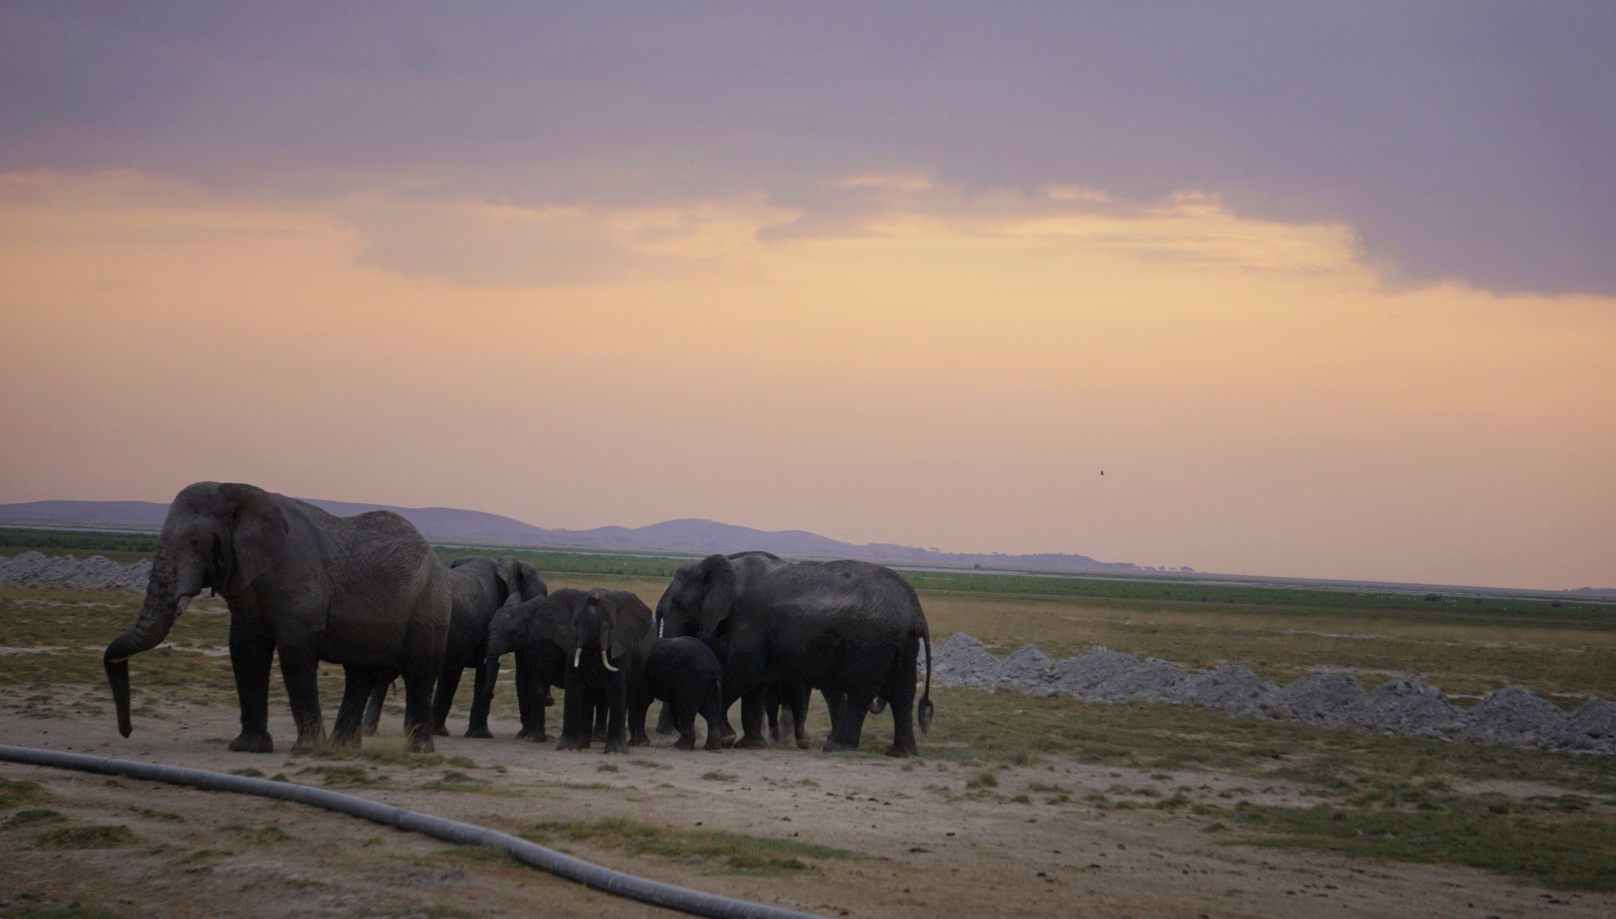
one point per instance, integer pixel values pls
(163, 604)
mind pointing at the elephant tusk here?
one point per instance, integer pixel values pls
(118, 661)
(181, 604)
(606, 663)
(576, 657)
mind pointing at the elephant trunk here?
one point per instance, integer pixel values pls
(497, 648)
(164, 602)
(485, 687)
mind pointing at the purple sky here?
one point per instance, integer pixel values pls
(1464, 140)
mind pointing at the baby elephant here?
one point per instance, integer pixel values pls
(684, 673)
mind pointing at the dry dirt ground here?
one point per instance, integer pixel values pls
(924, 847)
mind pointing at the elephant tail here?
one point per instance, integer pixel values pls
(925, 710)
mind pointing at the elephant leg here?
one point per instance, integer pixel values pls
(251, 657)
(664, 722)
(576, 711)
(900, 694)
(478, 726)
(685, 720)
(752, 721)
(373, 707)
(639, 703)
(530, 696)
(711, 714)
(799, 714)
(418, 710)
(616, 714)
(771, 710)
(726, 732)
(846, 731)
(300, 670)
(443, 697)
(835, 704)
(358, 688)
(601, 716)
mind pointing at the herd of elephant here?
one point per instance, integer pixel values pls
(369, 593)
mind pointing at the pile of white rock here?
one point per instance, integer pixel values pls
(1405, 705)
(66, 571)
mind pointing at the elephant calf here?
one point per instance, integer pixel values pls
(687, 675)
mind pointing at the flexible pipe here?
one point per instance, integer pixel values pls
(656, 893)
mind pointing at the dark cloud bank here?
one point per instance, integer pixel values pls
(1472, 141)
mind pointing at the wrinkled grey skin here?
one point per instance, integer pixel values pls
(685, 674)
(479, 586)
(612, 637)
(366, 592)
(843, 626)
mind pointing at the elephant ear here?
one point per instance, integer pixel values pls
(510, 575)
(521, 578)
(719, 597)
(258, 528)
(630, 624)
(552, 621)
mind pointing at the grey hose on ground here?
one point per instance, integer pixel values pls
(682, 899)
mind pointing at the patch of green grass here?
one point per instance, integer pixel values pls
(150, 814)
(123, 548)
(718, 775)
(383, 755)
(86, 837)
(201, 855)
(574, 563)
(1557, 853)
(735, 852)
(32, 816)
(248, 772)
(260, 835)
(984, 726)
(480, 854)
(30, 905)
(454, 780)
(14, 792)
(354, 776)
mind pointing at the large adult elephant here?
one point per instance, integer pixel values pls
(366, 592)
(479, 586)
(844, 626)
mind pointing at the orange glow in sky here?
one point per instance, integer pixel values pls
(943, 368)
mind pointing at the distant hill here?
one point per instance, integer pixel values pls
(451, 525)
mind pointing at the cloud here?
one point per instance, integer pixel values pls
(1472, 142)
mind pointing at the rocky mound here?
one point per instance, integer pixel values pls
(1403, 705)
(66, 571)
(1319, 698)
(1592, 727)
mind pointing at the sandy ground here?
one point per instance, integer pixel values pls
(926, 849)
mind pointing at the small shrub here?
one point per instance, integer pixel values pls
(984, 779)
(86, 837)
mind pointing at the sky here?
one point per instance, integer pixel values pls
(1325, 290)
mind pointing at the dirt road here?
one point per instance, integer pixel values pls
(932, 839)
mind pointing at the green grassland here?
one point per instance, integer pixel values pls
(1544, 817)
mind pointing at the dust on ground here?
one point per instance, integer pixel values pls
(929, 844)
